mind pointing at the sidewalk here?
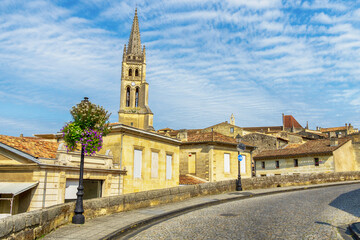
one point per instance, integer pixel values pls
(107, 227)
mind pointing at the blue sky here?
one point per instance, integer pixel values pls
(205, 60)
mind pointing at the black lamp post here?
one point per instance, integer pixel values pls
(79, 218)
(240, 147)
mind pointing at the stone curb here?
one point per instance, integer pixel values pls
(156, 219)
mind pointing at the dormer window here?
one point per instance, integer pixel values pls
(130, 72)
(136, 72)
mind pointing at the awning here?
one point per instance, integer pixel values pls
(15, 188)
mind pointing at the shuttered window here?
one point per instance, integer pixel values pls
(226, 163)
(168, 166)
(137, 163)
(154, 165)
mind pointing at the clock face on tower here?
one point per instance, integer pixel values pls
(132, 84)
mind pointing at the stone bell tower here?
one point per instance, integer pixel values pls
(134, 109)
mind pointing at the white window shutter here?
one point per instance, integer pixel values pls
(137, 163)
(226, 162)
(168, 166)
(154, 165)
(243, 164)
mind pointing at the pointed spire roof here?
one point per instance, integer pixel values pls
(134, 46)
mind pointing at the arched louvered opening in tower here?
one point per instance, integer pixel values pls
(137, 97)
(136, 72)
(128, 96)
(130, 72)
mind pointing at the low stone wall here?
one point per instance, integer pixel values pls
(34, 224)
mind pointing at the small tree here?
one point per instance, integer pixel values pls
(90, 123)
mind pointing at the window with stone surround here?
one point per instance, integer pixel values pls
(136, 72)
(226, 162)
(296, 162)
(130, 72)
(277, 164)
(168, 166)
(137, 163)
(263, 165)
(316, 160)
(154, 164)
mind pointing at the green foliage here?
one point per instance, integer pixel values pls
(91, 123)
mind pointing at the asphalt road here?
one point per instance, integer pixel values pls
(309, 214)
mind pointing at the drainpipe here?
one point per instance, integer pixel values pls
(44, 194)
(121, 148)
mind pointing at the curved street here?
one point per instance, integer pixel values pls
(310, 214)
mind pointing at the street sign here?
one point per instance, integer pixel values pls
(240, 157)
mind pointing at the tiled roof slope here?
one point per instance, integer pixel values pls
(194, 136)
(263, 129)
(313, 147)
(189, 180)
(35, 147)
(290, 121)
(333, 129)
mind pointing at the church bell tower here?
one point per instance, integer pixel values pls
(134, 109)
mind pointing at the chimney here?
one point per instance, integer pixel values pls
(307, 124)
(283, 121)
(182, 135)
(334, 141)
(21, 135)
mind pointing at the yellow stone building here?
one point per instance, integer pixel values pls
(212, 156)
(151, 159)
(37, 173)
(315, 156)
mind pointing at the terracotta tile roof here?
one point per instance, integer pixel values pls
(34, 146)
(165, 129)
(263, 129)
(293, 145)
(333, 129)
(289, 121)
(193, 136)
(313, 147)
(189, 180)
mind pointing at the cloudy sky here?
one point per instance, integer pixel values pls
(205, 60)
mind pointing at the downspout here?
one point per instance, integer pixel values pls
(121, 148)
(44, 194)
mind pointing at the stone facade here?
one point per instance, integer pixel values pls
(226, 129)
(124, 141)
(264, 142)
(315, 156)
(212, 159)
(52, 175)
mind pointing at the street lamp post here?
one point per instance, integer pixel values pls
(79, 218)
(240, 146)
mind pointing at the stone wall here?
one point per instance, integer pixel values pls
(37, 223)
(262, 142)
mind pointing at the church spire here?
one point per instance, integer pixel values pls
(134, 46)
